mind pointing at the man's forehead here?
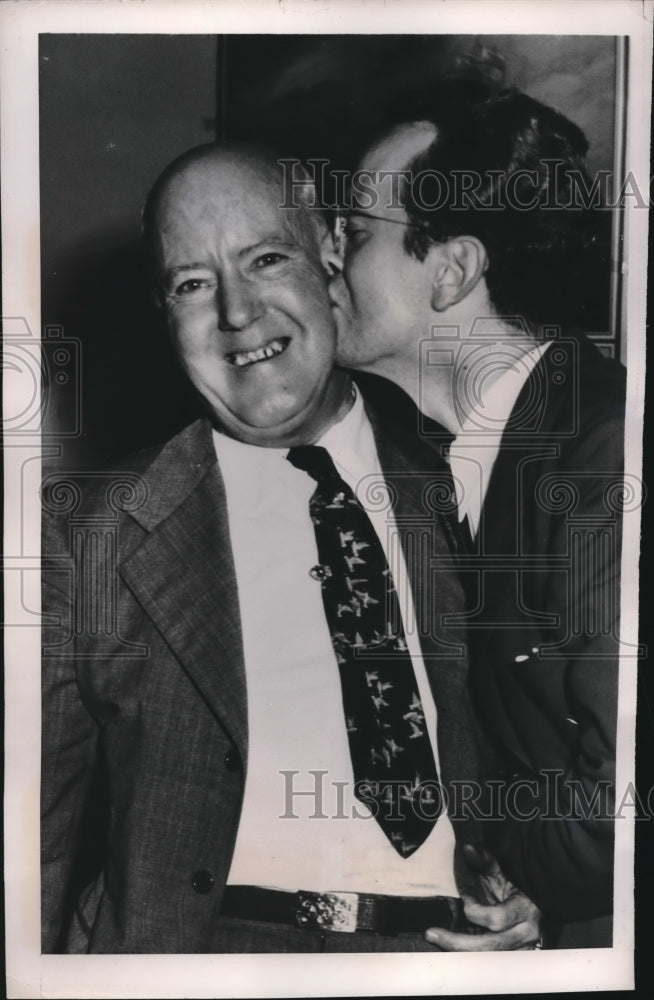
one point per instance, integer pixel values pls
(234, 180)
(399, 146)
(240, 212)
(383, 169)
(231, 195)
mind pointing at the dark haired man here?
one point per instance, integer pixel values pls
(216, 755)
(461, 291)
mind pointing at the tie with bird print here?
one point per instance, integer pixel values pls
(394, 768)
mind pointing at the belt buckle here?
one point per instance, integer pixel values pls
(328, 911)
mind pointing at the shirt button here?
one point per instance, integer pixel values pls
(202, 881)
(232, 760)
(319, 572)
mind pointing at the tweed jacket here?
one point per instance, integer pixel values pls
(145, 724)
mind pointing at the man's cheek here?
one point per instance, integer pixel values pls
(344, 324)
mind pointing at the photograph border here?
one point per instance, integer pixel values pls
(28, 972)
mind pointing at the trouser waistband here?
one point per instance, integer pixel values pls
(344, 912)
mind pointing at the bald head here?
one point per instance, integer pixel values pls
(200, 171)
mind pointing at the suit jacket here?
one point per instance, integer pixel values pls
(544, 628)
(145, 739)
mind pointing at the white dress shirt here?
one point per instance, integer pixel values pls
(475, 448)
(326, 840)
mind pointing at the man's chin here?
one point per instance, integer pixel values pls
(276, 429)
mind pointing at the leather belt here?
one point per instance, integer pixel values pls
(344, 912)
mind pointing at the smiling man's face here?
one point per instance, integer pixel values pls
(246, 299)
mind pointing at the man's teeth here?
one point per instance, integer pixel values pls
(261, 354)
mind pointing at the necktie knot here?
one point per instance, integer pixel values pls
(315, 460)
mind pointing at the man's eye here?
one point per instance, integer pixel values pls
(190, 285)
(268, 259)
(353, 235)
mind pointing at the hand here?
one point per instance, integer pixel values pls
(511, 920)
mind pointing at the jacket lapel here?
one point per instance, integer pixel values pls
(547, 399)
(423, 502)
(183, 573)
(421, 484)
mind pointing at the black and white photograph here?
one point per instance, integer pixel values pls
(324, 359)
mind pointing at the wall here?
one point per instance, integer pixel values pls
(115, 109)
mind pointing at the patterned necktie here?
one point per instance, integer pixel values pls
(394, 769)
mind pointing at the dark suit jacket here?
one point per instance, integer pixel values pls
(544, 632)
(144, 690)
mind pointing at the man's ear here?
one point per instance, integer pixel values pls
(460, 264)
(331, 255)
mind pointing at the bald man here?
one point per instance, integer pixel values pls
(197, 774)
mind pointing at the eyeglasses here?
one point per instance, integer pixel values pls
(341, 220)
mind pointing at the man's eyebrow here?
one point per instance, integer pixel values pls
(172, 272)
(274, 239)
(288, 243)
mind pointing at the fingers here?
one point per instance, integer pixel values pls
(517, 909)
(493, 888)
(480, 860)
(522, 936)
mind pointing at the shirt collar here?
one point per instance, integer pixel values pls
(493, 408)
(351, 442)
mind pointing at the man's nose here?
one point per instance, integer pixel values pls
(238, 303)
